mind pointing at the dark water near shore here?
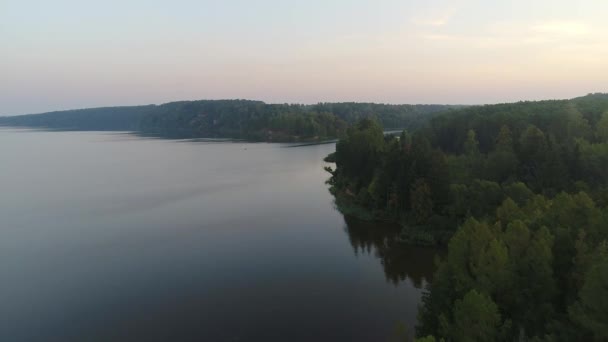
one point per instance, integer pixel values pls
(108, 236)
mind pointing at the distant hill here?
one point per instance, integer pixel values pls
(98, 119)
(252, 120)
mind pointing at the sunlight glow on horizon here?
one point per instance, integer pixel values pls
(73, 54)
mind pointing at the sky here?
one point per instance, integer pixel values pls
(64, 54)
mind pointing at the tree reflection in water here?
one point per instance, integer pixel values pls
(400, 261)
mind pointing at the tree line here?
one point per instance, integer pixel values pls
(240, 119)
(518, 193)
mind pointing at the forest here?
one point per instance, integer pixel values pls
(517, 192)
(238, 119)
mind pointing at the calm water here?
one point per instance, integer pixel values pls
(108, 236)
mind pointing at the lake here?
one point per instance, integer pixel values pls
(110, 236)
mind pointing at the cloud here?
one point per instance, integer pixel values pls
(435, 20)
(567, 28)
(443, 37)
(511, 34)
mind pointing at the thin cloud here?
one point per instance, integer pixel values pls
(518, 33)
(435, 21)
(567, 28)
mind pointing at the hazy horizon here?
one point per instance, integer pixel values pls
(69, 55)
(300, 103)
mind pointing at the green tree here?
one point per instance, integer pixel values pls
(421, 155)
(533, 289)
(504, 141)
(459, 201)
(405, 139)
(591, 311)
(476, 318)
(477, 259)
(438, 179)
(533, 142)
(518, 192)
(421, 200)
(533, 149)
(508, 212)
(473, 160)
(360, 152)
(570, 124)
(601, 131)
(502, 163)
(471, 145)
(484, 197)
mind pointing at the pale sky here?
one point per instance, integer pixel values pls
(65, 54)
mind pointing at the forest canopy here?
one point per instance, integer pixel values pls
(519, 194)
(466, 162)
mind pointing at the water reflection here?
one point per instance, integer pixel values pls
(149, 239)
(399, 261)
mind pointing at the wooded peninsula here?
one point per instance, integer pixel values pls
(519, 194)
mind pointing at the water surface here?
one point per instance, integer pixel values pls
(109, 236)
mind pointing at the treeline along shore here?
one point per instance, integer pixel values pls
(235, 119)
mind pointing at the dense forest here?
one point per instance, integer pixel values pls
(240, 119)
(518, 193)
